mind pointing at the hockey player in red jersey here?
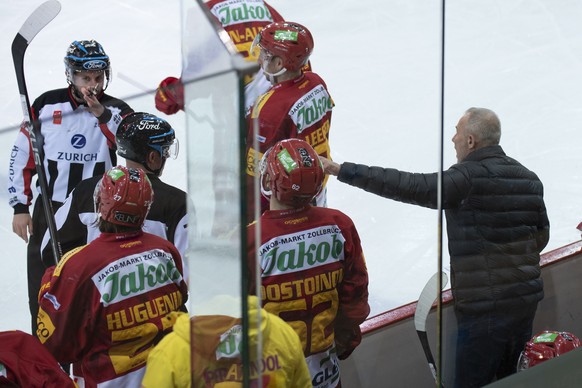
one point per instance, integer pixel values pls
(313, 272)
(24, 362)
(297, 106)
(78, 126)
(106, 304)
(242, 20)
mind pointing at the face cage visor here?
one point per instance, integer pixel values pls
(168, 150)
(255, 49)
(265, 57)
(263, 171)
(96, 200)
(69, 72)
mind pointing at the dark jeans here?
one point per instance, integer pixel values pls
(489, 345)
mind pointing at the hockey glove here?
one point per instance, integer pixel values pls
(170, 96)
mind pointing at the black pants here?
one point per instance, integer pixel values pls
(489, 344)
(34, 263)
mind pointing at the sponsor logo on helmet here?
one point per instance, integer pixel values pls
(134, 175)
(546, 337)
(121, 150)
(282, 35)
(127, 218)
(299, 251)
(148, 125)
(286, 160)
(311, 108)
(306, 160)
(115, 173)
(163, 139)
(95, 64)
(237, 12)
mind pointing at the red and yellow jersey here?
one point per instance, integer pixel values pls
(314, 277)
(243, 20)
(24, 362)
(299, 108)
(106, 304)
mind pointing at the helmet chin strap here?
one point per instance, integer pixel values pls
(266, 193)
(272, 76)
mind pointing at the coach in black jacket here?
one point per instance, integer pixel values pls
(497, 226)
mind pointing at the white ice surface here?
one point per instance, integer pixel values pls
(381, 61)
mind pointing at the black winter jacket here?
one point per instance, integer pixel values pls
(497, 224)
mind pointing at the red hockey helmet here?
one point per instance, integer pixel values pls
(124, 196)
(288, 40)
(545, 345)
(292, 171)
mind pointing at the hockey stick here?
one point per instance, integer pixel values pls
(427, 297)
(39, 18)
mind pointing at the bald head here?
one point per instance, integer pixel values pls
(478, 128)
(484, 125)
